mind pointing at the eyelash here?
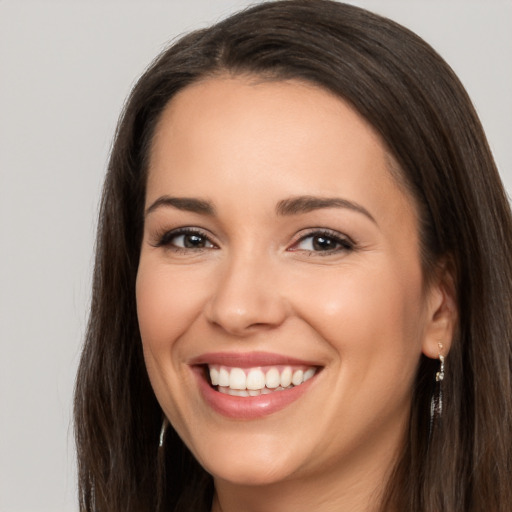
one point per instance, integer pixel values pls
(341, 242)
(165, 240)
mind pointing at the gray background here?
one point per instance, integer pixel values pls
(65, 69)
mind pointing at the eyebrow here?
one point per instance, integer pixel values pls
(305, 204)
(292, 206)
(188, 204)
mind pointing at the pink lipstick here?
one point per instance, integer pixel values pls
(252, 385)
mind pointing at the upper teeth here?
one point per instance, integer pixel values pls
(258, 378)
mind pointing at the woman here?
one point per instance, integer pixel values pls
(302, 289)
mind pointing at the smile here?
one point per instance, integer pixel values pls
(252, 385)
(246, 382)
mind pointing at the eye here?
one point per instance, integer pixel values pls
(185, 239)
(323, 242)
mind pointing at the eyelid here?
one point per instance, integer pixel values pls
(163, 238)
(346, 242)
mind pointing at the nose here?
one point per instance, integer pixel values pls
(247, 297)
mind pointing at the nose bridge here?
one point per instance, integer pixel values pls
(246, 295)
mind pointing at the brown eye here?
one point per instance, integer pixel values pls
(191, 241)
(185, 239)
(323, 242)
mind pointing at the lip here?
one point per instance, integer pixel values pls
(251, 407)
(249, 359)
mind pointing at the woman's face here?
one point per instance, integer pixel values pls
(280, 251)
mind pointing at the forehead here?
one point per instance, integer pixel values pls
(248, 134)
(252, 112)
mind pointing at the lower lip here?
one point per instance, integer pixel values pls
(250, 407)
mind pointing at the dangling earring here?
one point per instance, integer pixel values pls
(436, 404)
(163, 430)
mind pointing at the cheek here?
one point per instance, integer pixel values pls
(372, 324)
(372, 315)
(166, 305)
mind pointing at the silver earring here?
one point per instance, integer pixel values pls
(436, 404)
(163, 430)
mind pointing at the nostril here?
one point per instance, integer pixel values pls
(242, 304)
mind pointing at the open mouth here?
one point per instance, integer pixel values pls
(256, 381)
(251, 386)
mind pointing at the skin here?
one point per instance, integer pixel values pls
(363, 314)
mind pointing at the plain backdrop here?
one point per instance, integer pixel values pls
(65, 70)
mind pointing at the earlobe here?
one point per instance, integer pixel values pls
(442, 316)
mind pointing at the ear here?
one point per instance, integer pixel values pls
(442, 313)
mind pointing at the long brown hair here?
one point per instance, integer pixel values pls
(424, 116)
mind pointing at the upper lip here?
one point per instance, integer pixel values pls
(248, 359)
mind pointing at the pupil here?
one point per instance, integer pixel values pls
(193, 241)
(322, 243)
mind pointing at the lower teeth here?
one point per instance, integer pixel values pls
(249, 392)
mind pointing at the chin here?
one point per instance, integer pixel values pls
(250, 461)
(249, 473)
